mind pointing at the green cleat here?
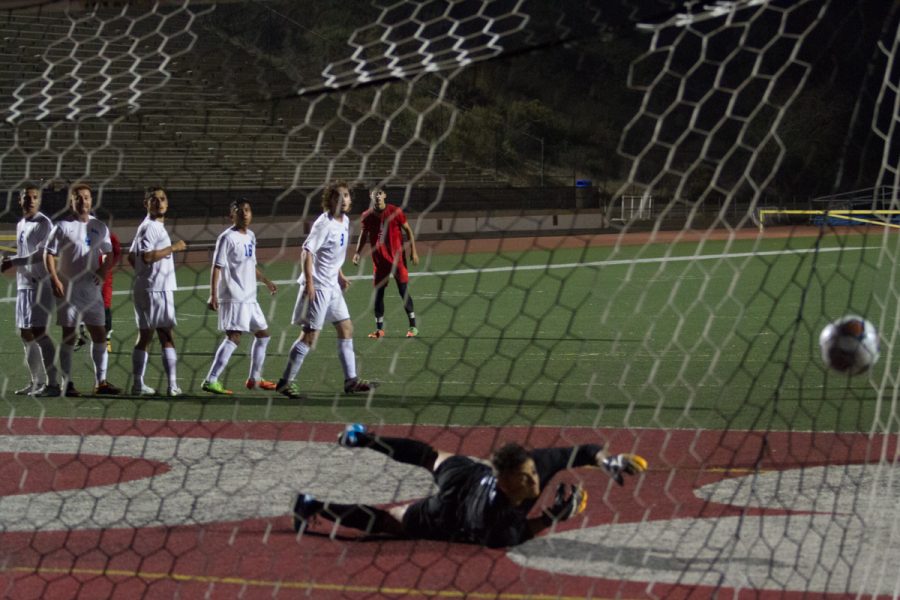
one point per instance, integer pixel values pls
(215, 387)
(412, 332)
(291, 390)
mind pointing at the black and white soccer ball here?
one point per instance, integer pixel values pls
(849, 345)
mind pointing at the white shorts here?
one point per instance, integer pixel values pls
(34, 306)
(83, 303)
(154, 310)
(241, 316)
(328, 305)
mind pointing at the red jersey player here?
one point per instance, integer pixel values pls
(383, 226)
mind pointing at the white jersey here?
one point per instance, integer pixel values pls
(157, 276)
(78, 246)
(31, 237)
(236, 255)
(327, 242)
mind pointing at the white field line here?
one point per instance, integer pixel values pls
(548, 267)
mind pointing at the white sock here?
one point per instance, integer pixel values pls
(170, 364)
(65, 361)
(295, 360)
(33, 360)
(48, 357)
(348, 358)
(258, 357)
(223, 355)
(101, 360)
(138, 365)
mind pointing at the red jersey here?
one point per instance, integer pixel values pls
(107, 283)
(384, 232)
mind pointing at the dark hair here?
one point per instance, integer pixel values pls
(236, 204)
(151, 192)
(330, 195)
(509, 457)
(29, 186)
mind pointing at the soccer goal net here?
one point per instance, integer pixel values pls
(604, 224)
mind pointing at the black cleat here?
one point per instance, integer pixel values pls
(358, 386)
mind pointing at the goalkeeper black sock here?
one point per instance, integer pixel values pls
(405, 450)
(360, 516)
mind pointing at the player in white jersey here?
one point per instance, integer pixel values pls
(232, 294)
(71, 257)
(321, 295)
(151, 255)
(34, 298)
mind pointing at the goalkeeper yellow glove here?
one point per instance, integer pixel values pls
(624, 464)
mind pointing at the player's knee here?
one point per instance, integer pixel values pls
(309, 338)
(344, 329)
(234, 337)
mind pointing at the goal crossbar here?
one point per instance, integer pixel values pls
(848, 215)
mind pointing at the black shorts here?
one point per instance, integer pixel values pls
(438, 516)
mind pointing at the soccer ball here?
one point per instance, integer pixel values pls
(849, 345)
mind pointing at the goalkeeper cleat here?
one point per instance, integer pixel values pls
(141, 389)
(105, 388)
(377, 334)
(412, 332)
(289, 389)
(358, 386)
(306, 507)
(215, 387)
(624, 464)
(350, 436)
(261, 384)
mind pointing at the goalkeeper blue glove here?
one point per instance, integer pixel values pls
(621, 464)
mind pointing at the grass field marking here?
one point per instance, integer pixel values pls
(293, 585)
(544, 267)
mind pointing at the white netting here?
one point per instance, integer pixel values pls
(583, 180)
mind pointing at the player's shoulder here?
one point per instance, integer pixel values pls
(39, 219)
(95, 223)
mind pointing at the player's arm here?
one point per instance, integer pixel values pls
(59, 290)
(152, 256)
(260, 276)
(306, 259)
(213, 302)
(360, 244)
(412, 243)
(20, 260)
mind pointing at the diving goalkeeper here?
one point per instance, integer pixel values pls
(477, 502)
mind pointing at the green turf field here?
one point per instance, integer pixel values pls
(710, 335)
